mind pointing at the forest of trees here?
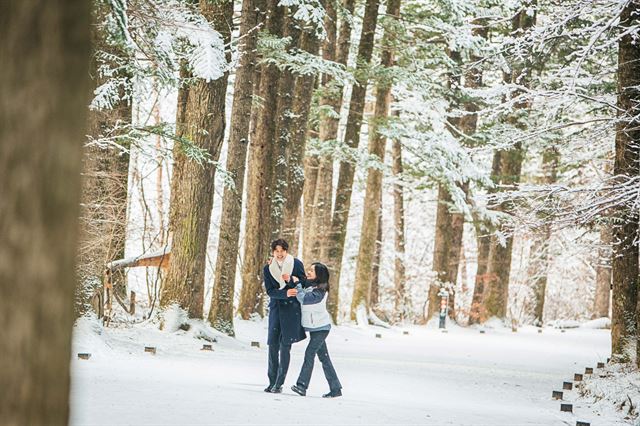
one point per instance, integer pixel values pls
(412, 146)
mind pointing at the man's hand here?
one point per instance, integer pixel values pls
(295, 279)
(269, 261)
(292, 292)
(286, 277)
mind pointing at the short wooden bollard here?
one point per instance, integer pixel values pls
(406, 333)
(562, 330)
(577, 377)
(567, 385)
(608, 359)
(539, 330)
(601, 365)
(444, 330)
(378, 336)
(150, 349)
(556, 395)
(255, 344)
(206, 347)
(588, 370)
(579, 423)
(482, 332)
(566, 408)
(84, 356)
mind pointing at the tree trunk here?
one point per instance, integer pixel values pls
(602, 300)
(45, 89)
(203, 115)
(319, 188)
(335, 244)
(449, 222)
(302, 97)
(401, 299)
(221, 312)
(374, 286)
(283, 134)
(477, 313)
(499, 262)
(373, 197)
(539, 256)
(259, 190)
(625, 231)
(103, 217)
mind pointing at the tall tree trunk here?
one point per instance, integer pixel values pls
(374, 286)
(449, 222)
(477, 313)
(335, 245)
(259, 191)
(201, 121)
(539, 257)
(499, 262)
(373, 196)
(446, 252)
(45, 89)
(103, 216)
(401, 299)
(283, 134)
(318, 189)
(221, 312)
(602, 300)
(301, 107)
(625, 231)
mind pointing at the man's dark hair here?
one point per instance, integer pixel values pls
(322, 273)
(279, 242)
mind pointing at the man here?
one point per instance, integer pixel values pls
(285, 326)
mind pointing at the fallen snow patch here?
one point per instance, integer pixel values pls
(602, 323)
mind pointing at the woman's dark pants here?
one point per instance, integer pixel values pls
(318, 346)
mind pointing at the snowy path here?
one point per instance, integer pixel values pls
(459, 378)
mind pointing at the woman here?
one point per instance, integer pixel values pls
(317, 321)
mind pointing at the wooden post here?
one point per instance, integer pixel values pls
(577, 377)
(566, 407)
(132, 303)
(567, 385)
(556, 394)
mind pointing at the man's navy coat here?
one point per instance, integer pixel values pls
(285, 317)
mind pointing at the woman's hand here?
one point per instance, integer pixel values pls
(286, 277)
(292, 292)
(295, 279)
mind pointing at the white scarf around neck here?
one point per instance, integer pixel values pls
(277, 271)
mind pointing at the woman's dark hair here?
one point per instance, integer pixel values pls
(279, 242)
(322, 273)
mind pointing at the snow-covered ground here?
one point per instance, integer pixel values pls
(427, 377)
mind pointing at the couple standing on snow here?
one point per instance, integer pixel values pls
(297, 302)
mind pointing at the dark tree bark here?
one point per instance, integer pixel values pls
(200, 120)
(373, 198)
(318, 187)
(302, 98)
(335, 243)
(283, 134)
(259, 191)
(221, 312)
(45, 89)
(627, 165)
